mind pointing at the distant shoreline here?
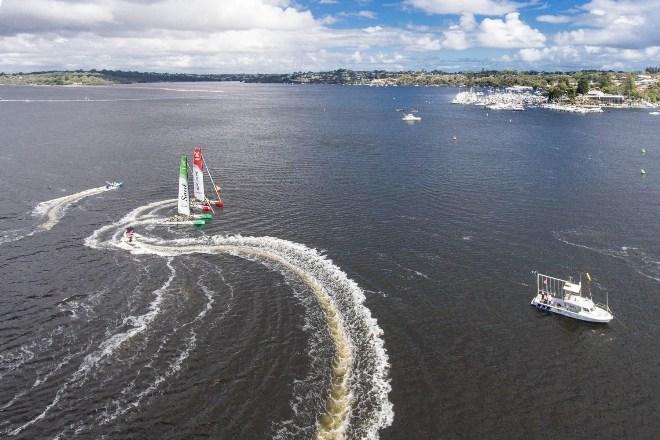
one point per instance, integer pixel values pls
(634, 89)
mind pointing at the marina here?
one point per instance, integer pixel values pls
(496, 100)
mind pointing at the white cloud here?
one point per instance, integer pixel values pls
(508, 33)
(615, 23)
(117, 16)
(578, 57)
(423, 43)
(480, 7)
(373, 29)
(281, 36)
(361, 14)
(455, 40)
(356, 57)
(554, 19)
(366, 14)
(468, 22)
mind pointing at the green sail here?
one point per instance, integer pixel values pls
(183, 166)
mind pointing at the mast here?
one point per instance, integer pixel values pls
(183, 207)
(215, 188)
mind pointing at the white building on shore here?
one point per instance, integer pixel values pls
(604, 98)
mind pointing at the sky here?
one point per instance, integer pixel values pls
(280, 36)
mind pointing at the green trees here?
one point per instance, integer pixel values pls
(605, 83)
(583, 85)
(629, 88)
(555, 92)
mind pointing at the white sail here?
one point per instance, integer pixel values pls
(198, 175)
(184, 199)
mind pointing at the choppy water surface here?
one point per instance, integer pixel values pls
(368, 278)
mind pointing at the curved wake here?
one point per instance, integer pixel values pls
(356, 403)
(50, 213)
(640, 260)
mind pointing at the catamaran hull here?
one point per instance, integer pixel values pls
(184, 222)
(202, 206)
(195, 219)
(603, 318)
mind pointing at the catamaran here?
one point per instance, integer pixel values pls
(565, 298)
(184, 216)
(200, 200)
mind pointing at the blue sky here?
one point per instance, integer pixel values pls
(274, 36)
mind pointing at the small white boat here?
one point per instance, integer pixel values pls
(113, 185)
(411, 117)
(654, 113)
(565, 298)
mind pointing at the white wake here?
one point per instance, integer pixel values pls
(357, 376)
(49, 213)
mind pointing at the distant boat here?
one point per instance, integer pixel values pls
(642, 171)
(410, 117)
(565, 298)
(654, 113)
(113, 185)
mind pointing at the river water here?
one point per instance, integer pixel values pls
(367, 277)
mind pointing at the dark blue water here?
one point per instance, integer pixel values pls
(441, 236)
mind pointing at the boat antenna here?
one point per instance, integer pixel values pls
(607, 301)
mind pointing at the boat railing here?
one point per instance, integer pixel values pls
(550, 285)
(604, 307)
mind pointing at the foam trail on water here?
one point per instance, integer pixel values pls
(357, 403)
(173, 367)
(50, 213)
(333, 422)
(142, 215)
(138, 324)
(348, 321)
(53, 210)
(639, 260)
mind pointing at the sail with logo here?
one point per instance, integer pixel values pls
(184, 215)
(184, 198)
(200, 200)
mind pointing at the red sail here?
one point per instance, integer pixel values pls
(197, 158)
